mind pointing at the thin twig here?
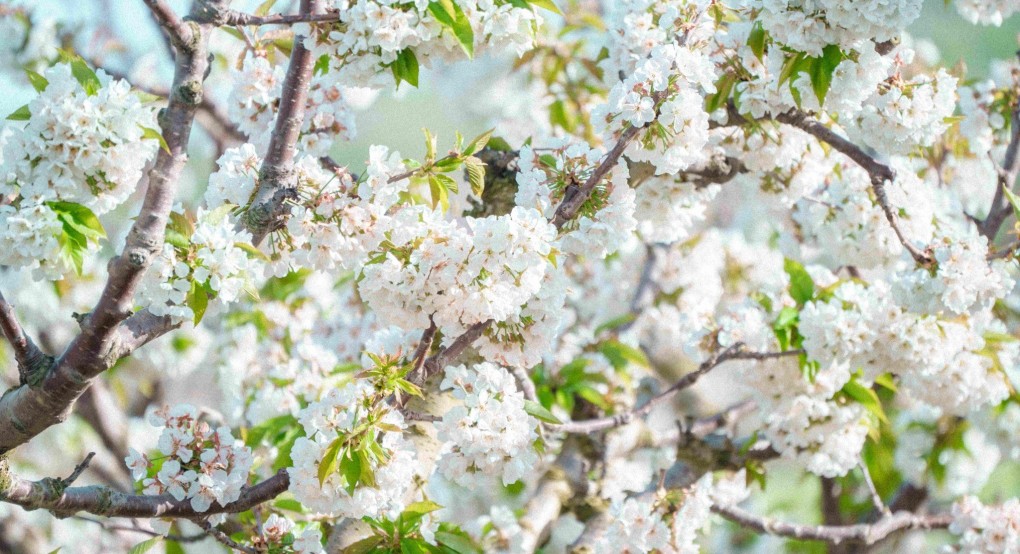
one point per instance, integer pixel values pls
(424, 345)
(525, 382)
(732, 353)
(880, 173)
(222, 537)
(247, 19)
(78, 470)
(876, 499)
(1007, 176)
(867, 534)
(438, 361)
(108, 526)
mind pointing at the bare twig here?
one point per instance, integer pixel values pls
(525, 382)
(424, 345)
(222, 537)
(876, 499)
(247, 19)
(1007, 176)
(108, 526)
(79, 469)
(866, 534)
(732, 353)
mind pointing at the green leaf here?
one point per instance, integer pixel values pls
(1014, 200)
(457, 543)
(82, 72)
(20, 114)
(328, 465)
(364, 546)
(197, 300)
(150, 133)
(756, 40)
(174, 547)
(475, 169)
(478, 143)
(39, 83)
(269, 428)
(144, 546)
(264, 7)
(405, 67)
(440, 194)
(283, 459)
(866, 397)
(421, 508)
(822, 69)
(449, 15)
(618, 321)
(412, 546)
(886, 380)
(79, 218)
(802, 287)
(539, 412)
(351, 468)
(621, 355)
(546, 5)
(252, 251)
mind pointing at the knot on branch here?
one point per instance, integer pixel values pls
(189, 92)
(213, 12)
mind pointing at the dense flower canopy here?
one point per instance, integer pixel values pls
(712, 258)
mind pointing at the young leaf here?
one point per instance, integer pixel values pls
(252, 251)
(802, 288)
(79, 218)
(351, 469)
(405, 67)
(1014, 200)
(39, 83)
(866, 397)
(476, 174)
(457, 543)
(20, 114)
(328, 464)
(197, 300)
(822, 69)
(449, 15)
(144, 546)
(539, 412)
(150, 133)
(478, 143)
(756, 40)
(82, 72)
(440, 194)
(546, 5)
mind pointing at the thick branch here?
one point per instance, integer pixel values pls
(603, 423)
(51, 494)
(438, 361)
(179, 32)
(27, 411)
(866, 534)
(277, 180)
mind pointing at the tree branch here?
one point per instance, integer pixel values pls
(54, 495)
(1007, 174)
(867, 534)
(222, 537)
(600, 424)
(879, 172)
(26, 411)
(234, 18)
(277, 180)
(179, 32)
(31, 360)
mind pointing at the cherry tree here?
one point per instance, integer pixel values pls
(722, 276)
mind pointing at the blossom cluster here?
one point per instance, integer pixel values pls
(80, 153)
(372, 35)
(391, 463)
(810, 26)
(253, 106)
(198, 463)
(489, 434)
(207, 262)
(986, 528)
